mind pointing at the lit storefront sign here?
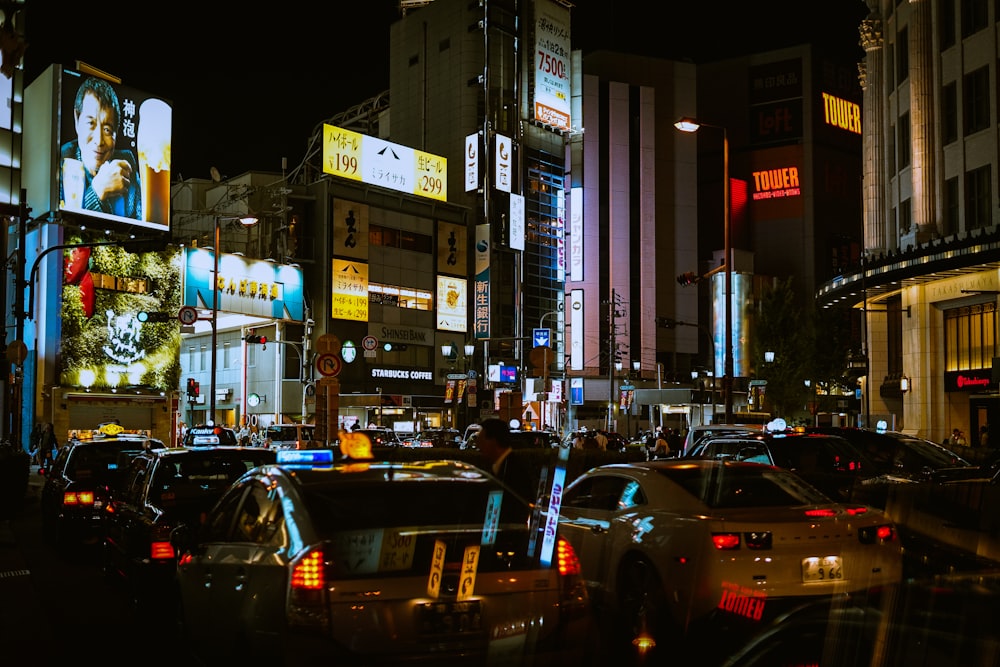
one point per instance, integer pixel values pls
(975, 380)
(246, 286)
(481, 298)
(776, 183)
(503, 162)
(472, 162)
(452, 303)
(350, 291)
(841, 113)
(410, 374)
(379, 162)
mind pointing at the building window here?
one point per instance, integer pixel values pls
(946, 23)
(894, 336)
(399, 238)
(905, 216)
(976, 89)
(978, 198)
(970, 339)
(902, 56)
(903, 143)
(400, 297)
(891, 152)
(949, 113)
(975, 16)
(951, 207)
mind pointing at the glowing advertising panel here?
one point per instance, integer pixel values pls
(114, 155)
(452, 303)
(776, 183)
(375, 161)
(503, 163)
(560, 226)
(472, 162)
(741, 295)
(576, 322)
(246, 286)
(576, 234)
(105, 343)
(516, 222)
(481, 297)
(452, 248)
(552, 65)
(841, 113)
(350, 290)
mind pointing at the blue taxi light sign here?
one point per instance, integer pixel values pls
(305, 456)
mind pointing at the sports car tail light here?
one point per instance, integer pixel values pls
(569, 564)
(877, 534)
(308, 572)
(161, 551)
(78, 498)
(726, 541)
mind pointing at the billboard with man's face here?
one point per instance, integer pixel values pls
(114, 151)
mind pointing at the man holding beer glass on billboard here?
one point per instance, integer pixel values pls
(97, 176)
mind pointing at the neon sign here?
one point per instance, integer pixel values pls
(774, 183)
(841, 113)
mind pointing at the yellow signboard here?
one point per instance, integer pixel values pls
(350, 290)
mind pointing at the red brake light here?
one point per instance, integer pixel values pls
(726, 541)
(308, 573)
(566, 558)
(821, 512)
(857, 511)
(885, 533)
(161, 550)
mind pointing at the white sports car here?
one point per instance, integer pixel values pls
(666, 546)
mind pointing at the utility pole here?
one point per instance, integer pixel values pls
(612, 302)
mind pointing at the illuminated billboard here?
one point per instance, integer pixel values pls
(114, 151)
(551, 90)
(105, 341)
(375, 161)
(452, 303)
(246, 286)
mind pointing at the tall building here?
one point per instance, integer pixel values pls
(926, 286)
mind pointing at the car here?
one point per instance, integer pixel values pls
(78, 484)
(206, 434)
(828, 462)
(289, 436)
(312, 561)
(696, 433)
(437, 437)
(523, 440)
(669, 546)
(160, 489)
(380, 436)
(902, 456)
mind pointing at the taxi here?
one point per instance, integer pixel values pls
(79, 482)
(359, 561)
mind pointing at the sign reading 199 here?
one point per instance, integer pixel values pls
(344, 163)
(550, 64)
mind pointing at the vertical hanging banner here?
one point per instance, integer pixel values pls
(576, 321)
(472, 162)
(503, 163)
(481, 297)
(576, 234)
(516, 222)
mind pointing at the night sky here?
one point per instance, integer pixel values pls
(249, 85)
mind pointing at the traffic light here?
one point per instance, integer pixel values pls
(688, 278)
(394, 347)
(251, 337)
(193, 389)
(146, 316)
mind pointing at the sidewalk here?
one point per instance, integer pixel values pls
(20, 615)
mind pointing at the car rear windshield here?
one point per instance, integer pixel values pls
(395, 528)
(744, 486)
(205, 473)
(99, 462)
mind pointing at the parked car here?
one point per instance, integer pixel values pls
(160, 489)
(381, 436)
(78, 484)
(696, 433)
(828, 462)
(314, 562)
(206, 435)
(667, 545)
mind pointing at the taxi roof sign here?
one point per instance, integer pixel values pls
(305, 456)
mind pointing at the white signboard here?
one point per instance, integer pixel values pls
(504, 158)
(552, 65)
(516, 222)
(576, 322)
(472, 162)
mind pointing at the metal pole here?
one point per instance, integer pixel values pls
(215, 322)
(727, 381)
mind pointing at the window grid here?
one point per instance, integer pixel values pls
(970, 337)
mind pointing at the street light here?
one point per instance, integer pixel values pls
(247, 221)
(693, 125)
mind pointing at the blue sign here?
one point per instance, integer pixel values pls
(542, 337)
(576, 391)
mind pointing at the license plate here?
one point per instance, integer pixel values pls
(450, 618)
(825, 568)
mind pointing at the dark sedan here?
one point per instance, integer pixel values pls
(78, 483)
(160, 489)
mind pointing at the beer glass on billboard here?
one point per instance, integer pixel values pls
(153, 144)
